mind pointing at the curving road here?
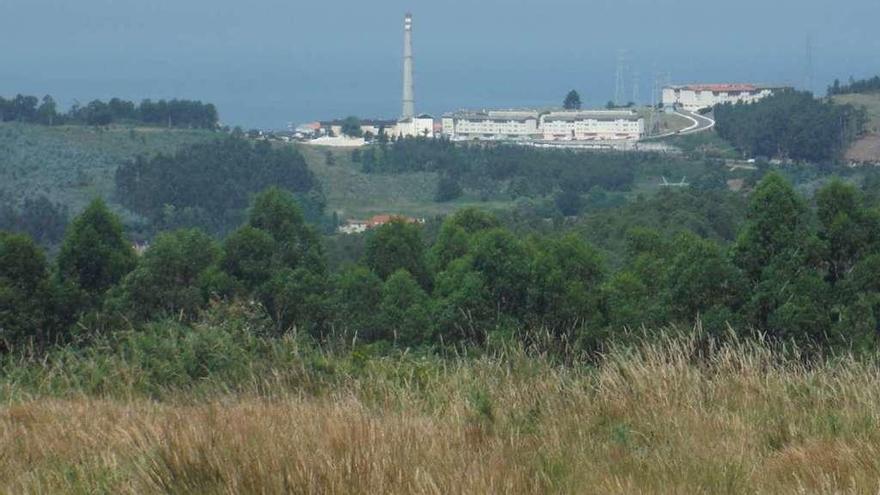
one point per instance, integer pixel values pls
(699, 123)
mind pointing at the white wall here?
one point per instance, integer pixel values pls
(568, 126)
(696, 100)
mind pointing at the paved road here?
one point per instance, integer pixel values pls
(699, 123)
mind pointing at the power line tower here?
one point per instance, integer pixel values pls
(619, 83)
(652, 117)
(808, 64)
(636, 97)
(661, 80)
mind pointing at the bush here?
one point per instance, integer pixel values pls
(31, 307)
(95, 254)
(170, 278)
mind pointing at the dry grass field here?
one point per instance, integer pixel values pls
(866, 149)
(667, 418)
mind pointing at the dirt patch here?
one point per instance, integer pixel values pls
(865, 150)
(736, 185)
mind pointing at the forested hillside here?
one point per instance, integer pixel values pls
(862, 86)
(554, 182)
(527, 171)
(71, 165)
(797, 272)
(37, 217)
(209, 185)
(791, 125)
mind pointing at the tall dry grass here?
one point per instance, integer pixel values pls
(670, 417)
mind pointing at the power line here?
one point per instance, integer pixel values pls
(808, 66)
(619, 83)
(635, 88)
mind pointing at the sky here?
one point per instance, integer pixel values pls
(266, 63)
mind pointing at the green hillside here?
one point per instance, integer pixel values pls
(73, 164)
(411, 190)
(352, 193)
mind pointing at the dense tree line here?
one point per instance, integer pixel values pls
(162, 113)
(869, 85)
(796, 271)
(512, 170)
(38, 217)
(790, 125)
(209, 185)
(715, 215)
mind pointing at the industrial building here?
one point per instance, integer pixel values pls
(421, 125)
(408, 125)
(531, 125)
(695, 97)
(546, 125)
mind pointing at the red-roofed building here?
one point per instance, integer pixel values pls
(695, 97)
(359, 226)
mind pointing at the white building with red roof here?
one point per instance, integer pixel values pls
(695, 97)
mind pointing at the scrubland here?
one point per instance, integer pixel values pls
(230, 413)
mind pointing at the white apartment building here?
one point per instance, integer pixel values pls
(499, 125)
(592, 125)
(695, 97)
(491, 124)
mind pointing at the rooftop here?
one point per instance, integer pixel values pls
(496, 115)
(600, 115)
(373, 122)
(553, 115)
(726, 87)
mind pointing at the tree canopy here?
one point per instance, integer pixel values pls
(790, 125)
(351, 127)
(209, 185)
(869, 85)
(95, 255)
(511, 170)
(163, 113)
(788, 267)
(572, 101)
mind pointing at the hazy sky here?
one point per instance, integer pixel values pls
(269, 62)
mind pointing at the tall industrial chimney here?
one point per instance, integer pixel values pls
(409, 102)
